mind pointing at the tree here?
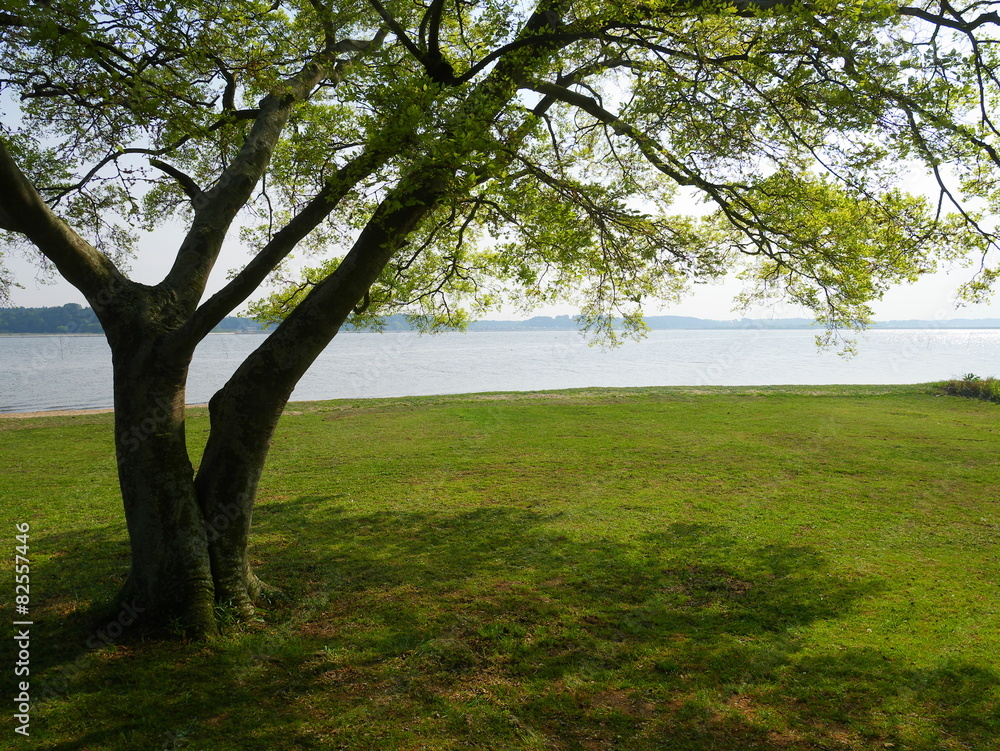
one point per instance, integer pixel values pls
(447, 155)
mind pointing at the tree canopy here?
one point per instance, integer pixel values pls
(558, 137)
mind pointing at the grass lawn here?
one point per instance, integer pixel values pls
(665, 568)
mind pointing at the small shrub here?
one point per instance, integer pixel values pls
(973, 387)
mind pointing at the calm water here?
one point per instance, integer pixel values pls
(74, 372)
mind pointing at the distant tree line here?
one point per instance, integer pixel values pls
(72, 318)
(65, 319)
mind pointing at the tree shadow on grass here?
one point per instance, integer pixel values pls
(75, 577)
(493, 628)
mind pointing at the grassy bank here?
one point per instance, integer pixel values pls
(773, 568)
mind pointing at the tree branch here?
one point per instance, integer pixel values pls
(22, 210)
(966, 27)
(229, 93)
(438, 68)
(323, 14)
(398, 30)
(434, 27)
(283, 242)
(115, 155)
(219, 205)
(740, 213)
(187, 183)
(12, 20)
(649, 148)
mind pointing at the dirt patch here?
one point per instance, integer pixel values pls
(72, 412)
(54, 413)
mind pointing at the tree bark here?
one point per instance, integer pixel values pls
(171, 575)
(243, 421)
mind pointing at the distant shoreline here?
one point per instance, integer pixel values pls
(655, 323)
(74, 320)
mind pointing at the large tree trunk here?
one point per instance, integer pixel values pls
(189, 536)
(243, 421)
(171, 576)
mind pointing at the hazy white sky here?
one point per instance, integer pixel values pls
(933, 298)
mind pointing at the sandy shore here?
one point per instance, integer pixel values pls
(56, 413)
(67, 412)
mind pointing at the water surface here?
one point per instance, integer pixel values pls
(74, 372)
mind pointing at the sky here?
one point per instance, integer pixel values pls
(932, 298)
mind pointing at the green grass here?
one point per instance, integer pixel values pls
(724, 568)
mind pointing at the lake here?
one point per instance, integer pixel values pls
(74, 372)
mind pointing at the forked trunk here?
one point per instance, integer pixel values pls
(189, 536)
